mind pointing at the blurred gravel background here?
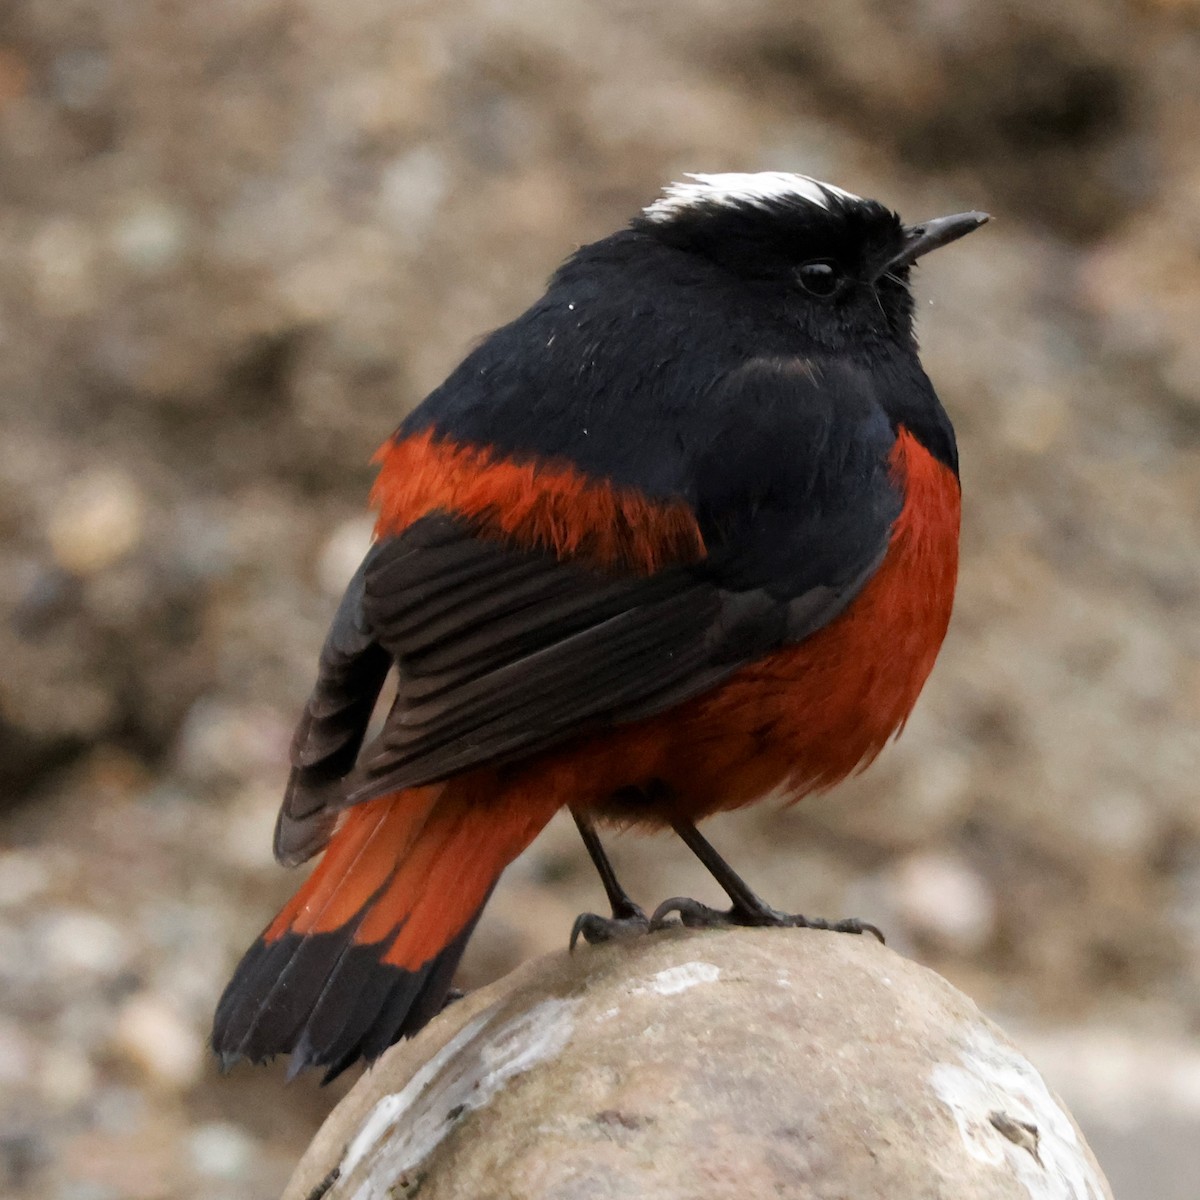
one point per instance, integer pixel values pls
(239, 239)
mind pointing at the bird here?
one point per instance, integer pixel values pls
(680, 537)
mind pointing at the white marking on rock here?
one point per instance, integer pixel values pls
(388, 1111)
(674, 980)
(757, 189)
(405, 1128)
(1008, 1119)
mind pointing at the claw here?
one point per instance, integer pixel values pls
(846, 925)
(695, 915)
(691, 912)
(595, 929)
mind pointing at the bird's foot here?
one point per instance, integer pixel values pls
(695, 915)
(626, 922)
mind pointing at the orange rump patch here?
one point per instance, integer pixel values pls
(549, 506)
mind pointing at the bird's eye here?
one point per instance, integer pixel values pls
(821, 278)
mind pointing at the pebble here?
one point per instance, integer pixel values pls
(342, 552)
(151, 236)
(941, 897)
(1033, 418)
(79, 78)
(248, 828)
(78, 940)
(220, 739)
(119, 1110)
(200, 547)
(1120, 821)
(63, 266)
(65, 1075)
(152, 1035)
(23, 878)
(16, 1054)
(219, 1150)
(411, 189)
(99, 519)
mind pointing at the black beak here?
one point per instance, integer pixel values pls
(929, 235)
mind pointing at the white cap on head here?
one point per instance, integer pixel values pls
(742, 188)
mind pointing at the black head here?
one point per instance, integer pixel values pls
(834, 264)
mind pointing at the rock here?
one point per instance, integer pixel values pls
(16, 1054)
(219, 1150)
(98, 520)
(156, 1038)
(767, 1062)
(23, 877)
(150, 236)
(62, 264)
(941, 898)
(220, 739)
(342, 552)
(1138, 1094)
(66, 1076)
(77, 940)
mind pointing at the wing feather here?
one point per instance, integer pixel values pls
(502, 651)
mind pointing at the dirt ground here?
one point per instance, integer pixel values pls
(239, 240)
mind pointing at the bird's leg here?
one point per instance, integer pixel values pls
(627, 920)
(746, 908)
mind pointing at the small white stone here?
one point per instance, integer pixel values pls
(248, 827)
(119, 1109)
(152, 1034)
(411, 191)
(78, 940)
(79, 78)
(220, 1150)
(65, 1075)
(343, 552)
(62, 261)
(151, 236)
(940, 896)
(1033, 418)
(16, 1055)
(22, 878)
(98, 520)
(219, 739)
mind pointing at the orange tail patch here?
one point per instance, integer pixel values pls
(364, 953)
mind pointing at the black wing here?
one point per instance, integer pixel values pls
(502, 652)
